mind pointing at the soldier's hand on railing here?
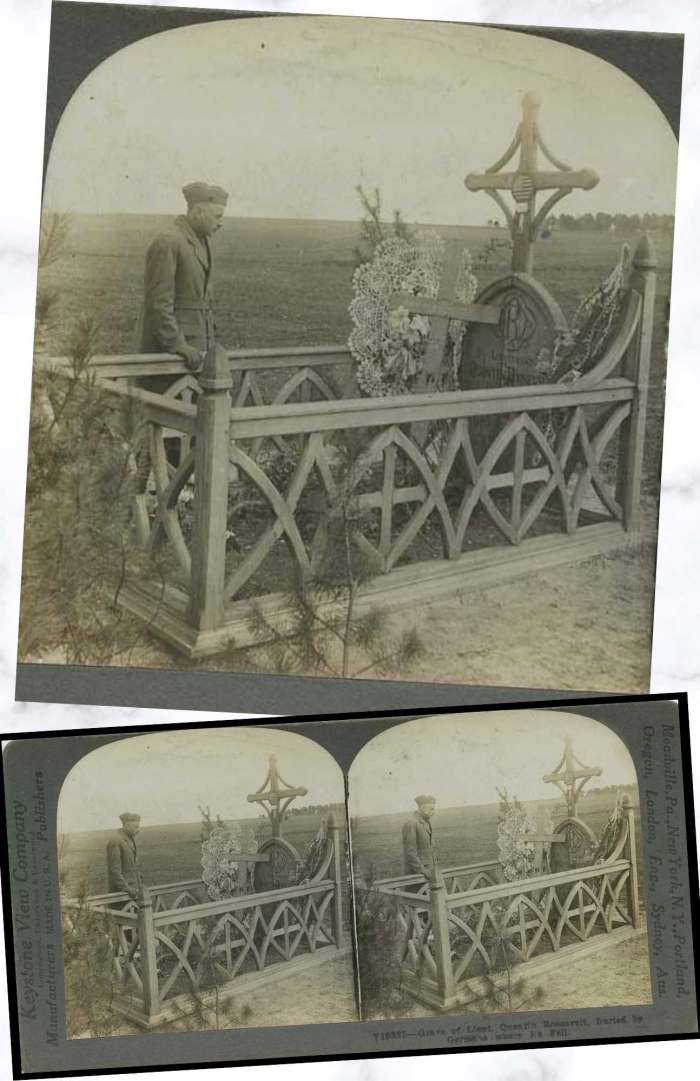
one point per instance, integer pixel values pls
(192, 357)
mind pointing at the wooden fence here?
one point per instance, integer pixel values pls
(546, 451)
(453, 937)
(175, 948)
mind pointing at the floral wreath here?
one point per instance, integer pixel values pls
(219, 869)
(389, 345)
(516, 833)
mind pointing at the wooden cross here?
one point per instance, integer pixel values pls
(570, 776)
(441, 310)
(525, 181)
(275, 795)
(542, 840)
(570, 780)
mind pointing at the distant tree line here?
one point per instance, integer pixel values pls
(606, 223)
(315, 808)
(608, 788)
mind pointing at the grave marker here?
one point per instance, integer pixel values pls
(526, 221)
(519, 349)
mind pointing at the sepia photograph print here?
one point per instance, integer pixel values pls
(202, 890)
(191, 894)
(497, 866)
(350, 356)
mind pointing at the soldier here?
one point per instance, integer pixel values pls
(176, 316)
(123, 874)
(418, 853)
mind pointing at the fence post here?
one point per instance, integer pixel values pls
(338, 877)
(631, 855)
(441, 936)
(206, 609)
(147, 947)
(643, 280)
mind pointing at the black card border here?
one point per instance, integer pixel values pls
(681, 701)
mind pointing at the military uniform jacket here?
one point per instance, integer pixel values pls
(177, 303)
(123, 875)
(418, 852)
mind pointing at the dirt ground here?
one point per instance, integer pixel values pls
(584, 626)
(616, 976)
(325, 993)
(321, 995)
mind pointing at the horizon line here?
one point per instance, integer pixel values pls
(340, 221)
(409, 810)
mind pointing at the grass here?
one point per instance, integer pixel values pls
(166, 853)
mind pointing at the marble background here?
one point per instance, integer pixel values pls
(24, 30)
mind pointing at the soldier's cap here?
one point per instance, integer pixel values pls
(420, 800)
(199, 192)
(129, 817)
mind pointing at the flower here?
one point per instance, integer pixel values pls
(516, 840)
(389, 343)
(219, 865)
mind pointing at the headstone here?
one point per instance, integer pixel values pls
(519, 349)
(280, 869)
(576, 847)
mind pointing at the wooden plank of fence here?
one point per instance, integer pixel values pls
(388, 498)
(448, 872)
(168, 412)
(637, 368)
(237, 904)
(538, 882)
(147, 945)
(206, 610)
(130, 365)
(631, 854)
(441, 936)
(293, 418)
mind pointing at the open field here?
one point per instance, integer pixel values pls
(167, 853)
(462, 835)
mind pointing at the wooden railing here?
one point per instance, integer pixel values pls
(468, 876)
(174, 947)
(451, 939)
(258, 375)
(170, 895)
(532, 479)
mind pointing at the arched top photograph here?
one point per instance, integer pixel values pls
(505, 844)
(373, 315)
(211, 859)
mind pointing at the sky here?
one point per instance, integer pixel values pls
(164, 776)
(462, 758)
(289, 114)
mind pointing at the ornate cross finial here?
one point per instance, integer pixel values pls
(275, 795)
(525, 220)
(570, 776)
